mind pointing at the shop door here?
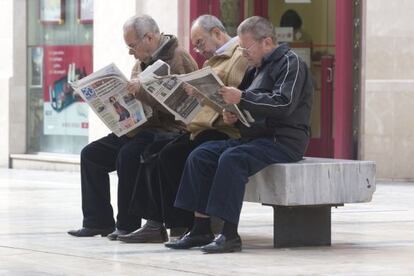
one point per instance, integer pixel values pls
(320, 32)
(309, 28)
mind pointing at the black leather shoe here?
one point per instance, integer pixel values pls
(222, 245)
(146, 234)
(90, 232)
(114, 235)
(188, 241)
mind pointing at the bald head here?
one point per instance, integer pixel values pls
(208, 34)
(142, 36)
(207, 22)
(142, 25)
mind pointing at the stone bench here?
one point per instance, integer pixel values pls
(303, 193)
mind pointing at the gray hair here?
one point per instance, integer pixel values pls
(208, 22)
(142, 25)
(259, 27)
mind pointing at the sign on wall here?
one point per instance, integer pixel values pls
(64, 112)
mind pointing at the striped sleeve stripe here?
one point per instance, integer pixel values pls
(276, 94)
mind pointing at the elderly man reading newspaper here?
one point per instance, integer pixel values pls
(277, 93)
(146, 44)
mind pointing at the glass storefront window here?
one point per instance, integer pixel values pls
(231, 12)
(59, 50)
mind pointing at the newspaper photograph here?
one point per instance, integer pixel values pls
(169, 91)
(105, 92)
(208, 84)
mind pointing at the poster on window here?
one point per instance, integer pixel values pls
(64, 112)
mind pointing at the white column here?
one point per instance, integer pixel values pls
(109, 46)
(164, 12)
(6, 72)
(388, 128)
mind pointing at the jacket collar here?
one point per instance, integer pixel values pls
(228, 48)
(228, 53)
(165, 51)
(276, 54)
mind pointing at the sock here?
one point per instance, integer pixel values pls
(154, 224)
(229, 230)
(201, 226)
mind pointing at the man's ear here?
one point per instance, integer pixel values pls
(150, 36)
(216, 33)
(268, 42)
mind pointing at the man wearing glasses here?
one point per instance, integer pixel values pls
(276, 92)
(110, 153)
(211, 40)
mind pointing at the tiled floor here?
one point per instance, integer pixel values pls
(38, 207)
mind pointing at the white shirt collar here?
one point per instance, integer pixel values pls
(226, 45)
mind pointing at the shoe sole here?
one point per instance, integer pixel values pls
(172, 246)
(141, 241)
(230, 250)
(179, 248)
(89, 236)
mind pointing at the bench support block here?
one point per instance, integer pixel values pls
(302, 226)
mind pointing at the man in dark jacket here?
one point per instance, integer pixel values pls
(146, 44)
(276, 96)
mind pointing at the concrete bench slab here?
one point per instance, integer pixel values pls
(303, 193)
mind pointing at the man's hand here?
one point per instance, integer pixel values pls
(191, 91)
(230, 95)
(133, 87)
(229, 118)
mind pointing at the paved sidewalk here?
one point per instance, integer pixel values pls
(38, 207)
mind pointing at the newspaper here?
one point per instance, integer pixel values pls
(169, 90)
(105, 92)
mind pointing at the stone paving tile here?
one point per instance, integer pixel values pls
(37, 208)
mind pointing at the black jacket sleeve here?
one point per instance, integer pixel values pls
(280, 91)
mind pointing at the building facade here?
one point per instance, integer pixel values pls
(360, 65)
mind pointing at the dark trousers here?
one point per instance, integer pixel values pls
(216, 173)
(171, 161)
(159, 177)
(105, 155)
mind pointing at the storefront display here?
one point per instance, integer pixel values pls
(64, 112)
(59, 51)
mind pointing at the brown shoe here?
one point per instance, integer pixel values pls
(114, 235)
(146, 234)
(90, 232)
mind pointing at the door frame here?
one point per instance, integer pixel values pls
(343, 97)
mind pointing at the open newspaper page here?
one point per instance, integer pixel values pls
(208, 84)
(169, 91)
(105, 92)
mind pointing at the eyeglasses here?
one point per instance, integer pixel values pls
(247, 50)
(133, 46)
(200, 46)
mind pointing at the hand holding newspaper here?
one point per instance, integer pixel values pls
(169, 91)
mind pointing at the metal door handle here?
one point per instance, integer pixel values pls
(330, 73)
